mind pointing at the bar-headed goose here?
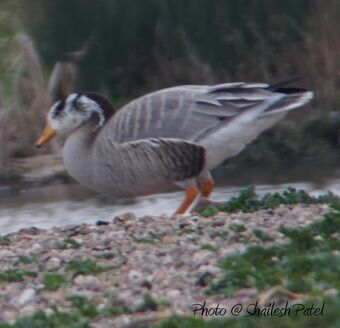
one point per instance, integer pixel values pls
(173, 136)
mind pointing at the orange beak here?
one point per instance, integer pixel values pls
(48, 134)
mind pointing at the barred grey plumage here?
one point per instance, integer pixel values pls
(171, 136)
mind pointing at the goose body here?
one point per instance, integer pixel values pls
(173, 136)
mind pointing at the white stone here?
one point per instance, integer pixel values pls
(209, 268)
(201, 256)
(173, 293)
(87, 281)
(129, 216)
(6, 253)
(79, 241)
(124, 296)
(36, 249)
(8, 315)
(49, 311)
(135, 276)
(26, 296)
(53, 263)
(224, 252)
(28, 311)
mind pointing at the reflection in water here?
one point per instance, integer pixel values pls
(61, 204)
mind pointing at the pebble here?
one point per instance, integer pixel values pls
(86, 281)
(135, 276)
(8, 316)
(122, 218)
(35, 249)
(79, 241)
(27, 310)
(50, 243)
(49, 311)
(26, 296)
(203, 279)
(332, 292)
(218, 222)
(173, 293)
(102, 223)
(123, 297)
(201, 257)
(173, 268)
(52, 264)
(30, 231)
(146, 284)
(239, 221)
(81, 293)
(6, 253)
(213, 269)
(169, 240)
(224, 252)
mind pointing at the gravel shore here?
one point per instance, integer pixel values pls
(117, 263)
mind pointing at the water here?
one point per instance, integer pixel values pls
(63, 204)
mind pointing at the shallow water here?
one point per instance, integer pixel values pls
(63, 204)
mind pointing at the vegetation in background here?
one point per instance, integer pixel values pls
(314, 142)
(127, 48)
(138, 46)
(135, 47)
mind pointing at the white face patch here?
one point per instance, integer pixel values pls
(91, 106)
(67, 115)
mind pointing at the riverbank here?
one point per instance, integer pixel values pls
(132, 271)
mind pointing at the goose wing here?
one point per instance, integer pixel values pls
(194, 112)
(146, 166)
(168, 159)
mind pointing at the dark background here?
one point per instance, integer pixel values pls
(129, 48)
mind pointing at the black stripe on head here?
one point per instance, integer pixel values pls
(103, 102)
(74, 102)
(59, 108)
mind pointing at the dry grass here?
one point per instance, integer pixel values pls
(315, 55)
(22, 115)
(319, 56)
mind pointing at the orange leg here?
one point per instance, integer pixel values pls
(207, 188)
(190, 195)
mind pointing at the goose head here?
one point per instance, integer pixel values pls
(68, 114)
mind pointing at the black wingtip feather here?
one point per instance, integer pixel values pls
(279, 84)
(290, 90)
